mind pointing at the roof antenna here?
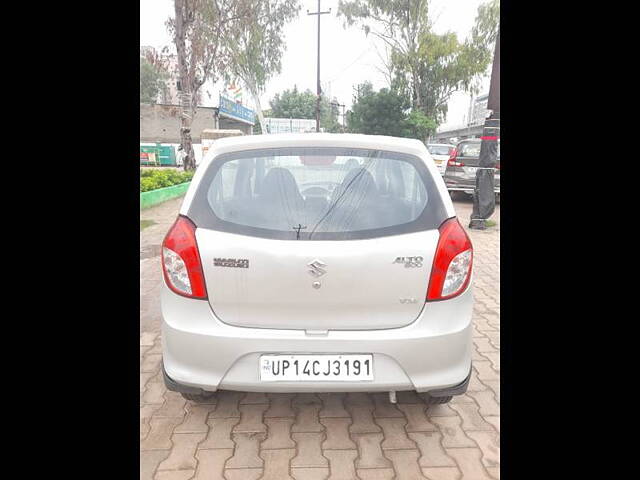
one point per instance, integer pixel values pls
(297, 229)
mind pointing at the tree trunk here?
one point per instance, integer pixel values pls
(256, 99)
(186, 113)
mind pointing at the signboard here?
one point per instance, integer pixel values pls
(234, 110)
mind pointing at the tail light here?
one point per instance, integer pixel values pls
(452, 263)
(498, 165)
(453, 162)
(181, 263)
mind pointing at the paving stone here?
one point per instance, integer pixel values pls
(471, 419)
(475, 385)
(246, 452)
(431, 450)
(149, 461)
(495, 421)
(494, 472)
(148, 338)
(211, 463)
(486, 402)
(494, 338)
(310, 473)
(251, 419)
(243, 473)
(442, 473)
(375, 473)
(442, 410)
(337, 434)
(309, 450)
(227, 405)
(342, 464)
(307, 419)
(417, 418)
(358, 399)
(370, 451)
(280, 405)
(254, 398)
(469, 463)
(452, 434)
(278, 433)
(384, 408)
(154, 393)
(494, 358)
(159, 436)
(489, 443)
(151, 363)
(196, 419)
(484, 345)
(494, 385)
(174, 474)
(306, 399)
(405, 464)
(183, 451)
(333, 405)
(276, 464)
(485, 371)
(219, 435)
(144, 378)
(464, 398)
(173, 406)
(362, 420)
(395, 436)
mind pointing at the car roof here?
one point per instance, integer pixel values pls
(381, 142)
(440, 145)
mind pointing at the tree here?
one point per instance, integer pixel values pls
(257, 50)
(428, 67)
(378, 113)
(387, 113)
(152, 82)
(296, 104)
(200, 29)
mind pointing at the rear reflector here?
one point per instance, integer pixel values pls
(452, 263)
(181, 263)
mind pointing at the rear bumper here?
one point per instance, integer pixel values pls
(432, 354)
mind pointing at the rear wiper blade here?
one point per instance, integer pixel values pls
(297, 229)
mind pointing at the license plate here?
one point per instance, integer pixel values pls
(471, 169)
(316, 368)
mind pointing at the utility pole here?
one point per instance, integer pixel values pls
(319, 90)
(483, 195)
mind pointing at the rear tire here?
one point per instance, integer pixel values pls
(198, 397)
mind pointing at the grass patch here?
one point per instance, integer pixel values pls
(146, 223)
(491, 223)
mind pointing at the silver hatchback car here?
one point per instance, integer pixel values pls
(317, 262)
(460, 172)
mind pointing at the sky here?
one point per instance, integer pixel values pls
(347, 56)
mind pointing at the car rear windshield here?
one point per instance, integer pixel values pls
(317, 194)
(439, 150)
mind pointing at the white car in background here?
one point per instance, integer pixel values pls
(317, 263)
(440, 153)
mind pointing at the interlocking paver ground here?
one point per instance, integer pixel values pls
(241, 435)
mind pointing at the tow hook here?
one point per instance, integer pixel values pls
(392, 397)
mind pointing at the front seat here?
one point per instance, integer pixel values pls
(280, 203)
(355, 203)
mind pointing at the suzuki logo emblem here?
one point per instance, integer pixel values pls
(315, 268)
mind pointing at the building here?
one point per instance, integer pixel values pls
(290, 125)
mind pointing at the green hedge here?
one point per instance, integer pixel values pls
(152, 179)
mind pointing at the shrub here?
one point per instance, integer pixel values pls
(152, 179)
